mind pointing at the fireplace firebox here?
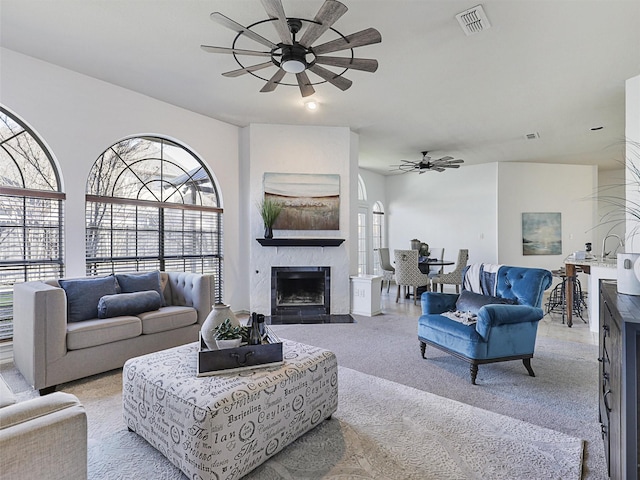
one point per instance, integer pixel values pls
(300, 291)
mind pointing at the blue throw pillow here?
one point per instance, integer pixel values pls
(83, 295)
(470, 302)
(128, 303)
(140, 282)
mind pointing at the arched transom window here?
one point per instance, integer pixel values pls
(152, 204)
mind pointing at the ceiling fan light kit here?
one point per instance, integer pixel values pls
(427, 164)
(292, 56)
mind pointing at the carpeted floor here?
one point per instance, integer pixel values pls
(382, 430)
(562, 396)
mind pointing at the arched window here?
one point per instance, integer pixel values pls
(377, 234)
(152, 204)
(31, 204)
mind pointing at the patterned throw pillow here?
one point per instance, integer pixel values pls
(83, 295)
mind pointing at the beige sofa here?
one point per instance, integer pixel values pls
(45, 437)
(49, 351)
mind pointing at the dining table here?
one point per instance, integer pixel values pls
(424, 264)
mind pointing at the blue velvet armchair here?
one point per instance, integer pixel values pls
(502, 332)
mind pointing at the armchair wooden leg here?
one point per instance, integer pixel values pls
(474, 372)
(423, 348)
(398, 294)
(527, 365)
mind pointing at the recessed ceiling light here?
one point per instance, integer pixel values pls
(311, 105)
(594, 129)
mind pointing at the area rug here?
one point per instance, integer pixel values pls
(382, 430)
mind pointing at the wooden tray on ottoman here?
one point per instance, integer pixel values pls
(244, 357)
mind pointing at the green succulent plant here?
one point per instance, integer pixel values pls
(227, 331)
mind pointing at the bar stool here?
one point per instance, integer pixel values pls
(557, 302)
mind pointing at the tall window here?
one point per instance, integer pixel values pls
(151, 204)
(362, 227)
(30, 214)
(377, 233)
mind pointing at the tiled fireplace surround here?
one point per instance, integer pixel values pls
(266, 257)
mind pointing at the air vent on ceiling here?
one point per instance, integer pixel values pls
(532, 136)
(473, 20)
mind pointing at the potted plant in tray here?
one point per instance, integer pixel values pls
(269, 211)
(228, 335)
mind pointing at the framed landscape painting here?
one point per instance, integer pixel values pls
(542, 233)
(309, 201)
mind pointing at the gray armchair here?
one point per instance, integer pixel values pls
(45, 437)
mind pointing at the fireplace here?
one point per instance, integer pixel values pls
(300, 291)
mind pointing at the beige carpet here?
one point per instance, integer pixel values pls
(382, 430)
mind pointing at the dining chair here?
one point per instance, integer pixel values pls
(454, 277)
(439, 254)
(388, 272)
(407, 272)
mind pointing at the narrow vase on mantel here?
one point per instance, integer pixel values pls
(268, 232)
(219, 313)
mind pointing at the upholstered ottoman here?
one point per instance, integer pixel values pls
(223, 426)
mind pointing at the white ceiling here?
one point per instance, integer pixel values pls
(553, 67)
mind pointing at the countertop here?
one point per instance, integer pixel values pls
(593, 261)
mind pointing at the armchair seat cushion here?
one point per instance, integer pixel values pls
(455, 336)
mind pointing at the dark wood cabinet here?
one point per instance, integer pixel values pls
(619, 380)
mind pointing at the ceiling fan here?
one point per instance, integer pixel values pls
(427, 164)
(297, 56)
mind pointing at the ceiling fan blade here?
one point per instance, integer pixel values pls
(275, 11)
(358, 39)
(364, 64)
(306, 88)
(444, 159)
(328, 14)
(237, 51)
(339, 81)
(252, 68)
(273, 82)
(438, 169)
(446, 165)
(236, 27)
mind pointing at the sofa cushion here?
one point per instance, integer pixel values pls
(83, 295)
(167, 318)
(98, 332)
(471, 302)
(128, 303)
(138, 282)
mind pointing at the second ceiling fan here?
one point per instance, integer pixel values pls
(428, 164)
(297, 56)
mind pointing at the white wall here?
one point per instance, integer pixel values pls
(480, 207)
(451, 210)
(539, 187)
(79, 117)
(632, 133)
(611, 183)
(299, 149)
